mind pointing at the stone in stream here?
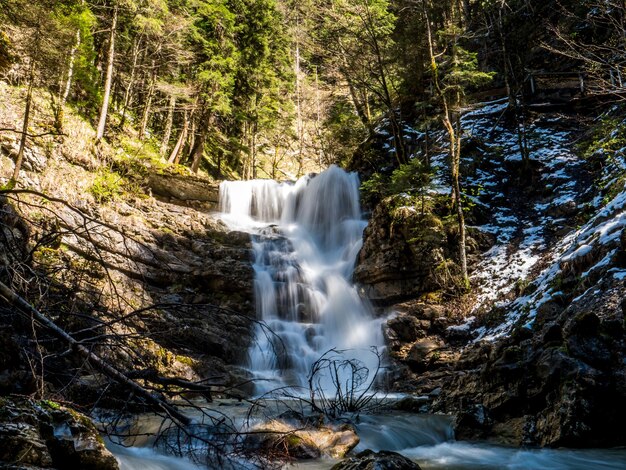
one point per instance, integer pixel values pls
(45, 435)
(383, 460)
(309, 442)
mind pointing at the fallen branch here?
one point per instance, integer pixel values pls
(95, 360)
(8, 129)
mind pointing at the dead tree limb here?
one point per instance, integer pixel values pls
(95, 360)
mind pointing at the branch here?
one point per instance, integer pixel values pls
(92, 357)
(8, 129)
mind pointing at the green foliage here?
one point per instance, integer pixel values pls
(608, 136)
(107, 186)
(411, 179)
(374, 189)
(6, 56)
(342, 130)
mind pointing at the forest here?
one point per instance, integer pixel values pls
(358, 233)
(247, 88)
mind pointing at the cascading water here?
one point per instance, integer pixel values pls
(306, 237)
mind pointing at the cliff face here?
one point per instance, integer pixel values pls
(534, 352)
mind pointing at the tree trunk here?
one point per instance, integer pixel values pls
(253, 161)
(96, 361)
(453, 129)
(192, 138)
(456, 187)
(70, 69)
(131, 79)
(148, 107)
(29, 100)
(198, 151)
(168, 126)
(299, 121)
(175, 155)
(109, 78)
(396, 126)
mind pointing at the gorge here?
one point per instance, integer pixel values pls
(322, 233)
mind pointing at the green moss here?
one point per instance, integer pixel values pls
(186, 360)
(293, 440)
(50, 405)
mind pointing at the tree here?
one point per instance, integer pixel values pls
(593, 34)
(262, 78)
(355, 40)
(453, 70)
(40, 37)
(108, 81)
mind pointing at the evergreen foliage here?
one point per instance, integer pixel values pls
(254, 88)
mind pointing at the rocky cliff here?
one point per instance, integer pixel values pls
(533, 354)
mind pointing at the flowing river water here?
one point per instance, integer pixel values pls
(306, 237)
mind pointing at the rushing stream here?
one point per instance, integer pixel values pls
(306, 237)
(427, 439)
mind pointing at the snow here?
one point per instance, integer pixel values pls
(582, 250)
(619, 275)
(521, 227)
(465, 326)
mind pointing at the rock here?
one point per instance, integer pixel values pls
(401, 249)
(473, 422)
(412, 404)
(185, 188)
(565, 209)
(308, 442)
(406, 328)
(383, 460)
(44, 434)
(423, 351)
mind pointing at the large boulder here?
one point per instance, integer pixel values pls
(401, 251)
(185, 188)
(383, 460)
(303, 441)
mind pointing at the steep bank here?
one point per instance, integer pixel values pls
(534, 352)
(121, 252)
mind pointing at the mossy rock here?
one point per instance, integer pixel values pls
(46, 434)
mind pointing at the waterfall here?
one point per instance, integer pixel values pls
(306, 237)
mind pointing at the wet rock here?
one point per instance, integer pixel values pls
(383, 460)
(46, 435)
(412, 404)
(473, 422)
(308, 442)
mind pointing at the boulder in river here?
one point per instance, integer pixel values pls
(42, 434)
(308, 442)
(383, 460)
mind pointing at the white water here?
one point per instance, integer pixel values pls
(426, 439)
(306, 237)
